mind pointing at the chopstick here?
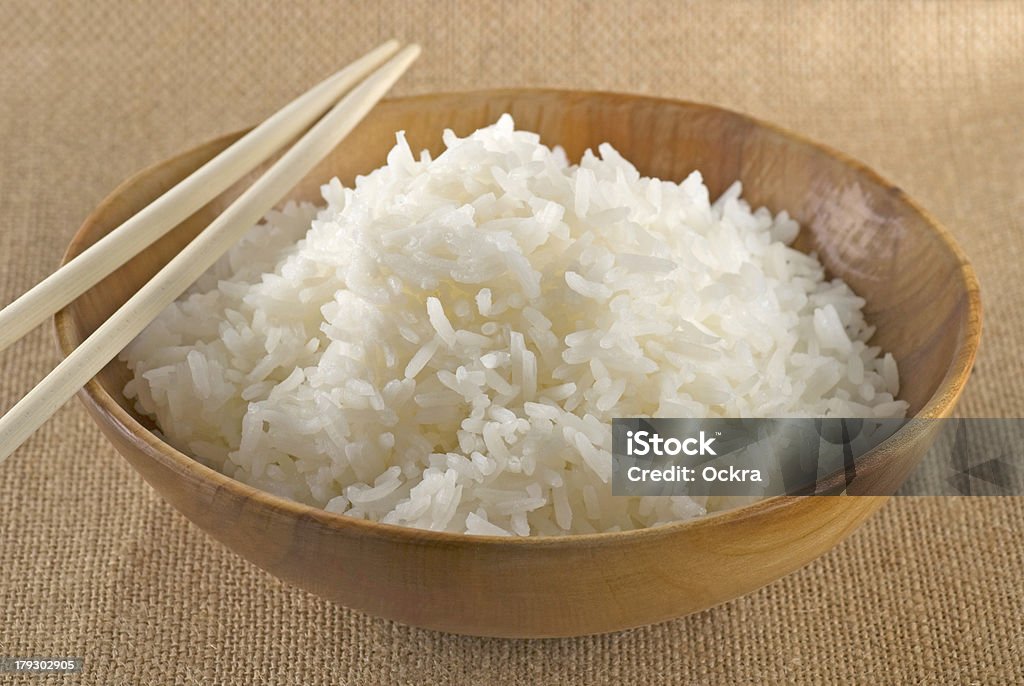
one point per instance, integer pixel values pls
(178, 203)
(113, 335)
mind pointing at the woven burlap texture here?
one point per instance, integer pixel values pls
(94, 564)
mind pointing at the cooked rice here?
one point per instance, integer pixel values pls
(444, 346)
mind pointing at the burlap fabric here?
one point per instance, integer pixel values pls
(93, 564)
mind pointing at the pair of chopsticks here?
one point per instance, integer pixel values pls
(365, 81)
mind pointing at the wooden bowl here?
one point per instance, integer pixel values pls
(921, 294)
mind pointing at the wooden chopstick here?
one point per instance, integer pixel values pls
(103, 345)
(177, 204)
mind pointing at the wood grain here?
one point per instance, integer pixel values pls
(921, 293)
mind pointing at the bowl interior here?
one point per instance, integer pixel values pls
(920, 292)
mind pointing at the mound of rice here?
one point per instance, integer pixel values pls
(445, 345)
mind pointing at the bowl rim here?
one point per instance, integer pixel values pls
(102, 405)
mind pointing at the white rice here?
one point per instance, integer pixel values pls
(445, 345)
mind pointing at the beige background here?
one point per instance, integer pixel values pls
(92, 563)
